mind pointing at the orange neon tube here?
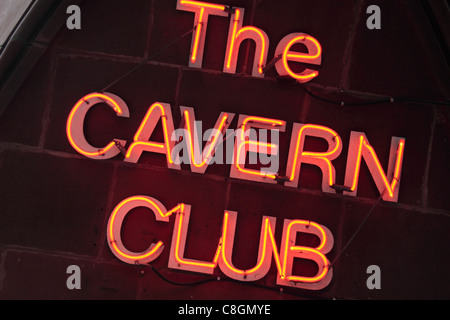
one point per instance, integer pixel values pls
(300, 55)
(263, 45)
(233, 36)
(224, 239)
(314, 250)
(212, 145)
(111, 225)
(390, 187)
(152, 144)
(310, 279)
(177, 247)
(85, 99)
(197, 36)
(286, 54)
(179, 207)
(267, 230)
(203, 4)
(320, 155)
(217, 255)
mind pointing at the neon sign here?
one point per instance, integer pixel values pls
(237, 34)
(243, 144)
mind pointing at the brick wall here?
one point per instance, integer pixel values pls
(55, 203)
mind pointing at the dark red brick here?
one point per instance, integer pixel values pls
(110, 27)
(52, 203)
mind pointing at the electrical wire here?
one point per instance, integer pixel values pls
(304, 88)
(195, 283)
(315, 96)
(149, 58)
(363, 222)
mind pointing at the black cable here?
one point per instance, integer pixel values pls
(255, 285)
(148, 59)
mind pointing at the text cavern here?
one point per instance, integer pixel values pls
(387, 182)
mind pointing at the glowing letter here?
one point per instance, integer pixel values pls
(75, 122)
(155, 112)
(115, 226)
(289, 251)
(236, 35)
(176, 257)
(360, 147)
(374, 280)
(202, 10)
(321, 159)
(199, 160)
(244, 145)
(267, 246)
(314, 56)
